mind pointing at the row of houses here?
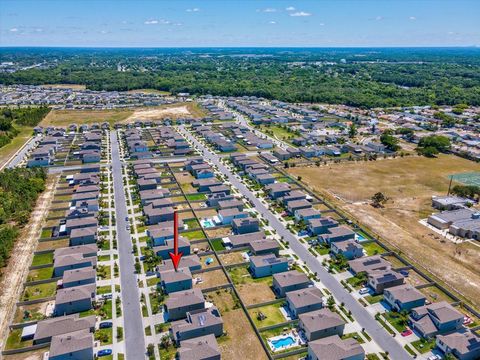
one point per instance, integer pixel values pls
(462, 222)
(68, 334)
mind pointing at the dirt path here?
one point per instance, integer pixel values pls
(21, 258)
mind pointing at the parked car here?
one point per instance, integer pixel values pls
(104, 352)
(364, 291)
(435, 357)
(105, 325)
(406, 332)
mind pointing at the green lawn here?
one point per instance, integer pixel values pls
(40, 274)
(104, 336)
(271, 312)
(357, 281)
(193, 235)
(14, 340)
(105, 312)
(195, 197)
(192, 223)
(395, 319)
(42, 259)
(39, 291)
(373, 299)
(373, 248)
(423, 345)
(355, 336)
(104, 289)
(153, 281)
(103, 258)
(217, 245)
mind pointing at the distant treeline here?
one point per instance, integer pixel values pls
(29, 116)
(365, 78)
(19, 190)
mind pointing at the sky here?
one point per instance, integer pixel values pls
(232, 23)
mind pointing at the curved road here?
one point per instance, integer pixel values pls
(373, 328)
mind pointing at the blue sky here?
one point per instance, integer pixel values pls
(162, 23)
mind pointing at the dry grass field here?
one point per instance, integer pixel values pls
(241, 343)
(65, 86)
(409, 183)
(176, 110)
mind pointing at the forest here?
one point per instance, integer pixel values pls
(9, 117)
(359, 77)
(19, 189)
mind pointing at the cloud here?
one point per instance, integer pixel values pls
(300, 13)
(272, 22)
(38, 30)
(193, 10)
(290, 8)
(379, 18)
(13, 30)
(267, 10)
(151, 22)
(412, 18)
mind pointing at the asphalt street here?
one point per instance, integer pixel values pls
(373, 328)
(133, 323)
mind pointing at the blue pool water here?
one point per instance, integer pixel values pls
(208, 223)
(283, 342)
(361, 238)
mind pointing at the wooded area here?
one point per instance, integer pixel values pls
(19, 189)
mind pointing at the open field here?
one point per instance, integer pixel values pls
(172, 111)
(7, 151)
(67, 117)
(65, 86)
(149, 91)
(409, 184)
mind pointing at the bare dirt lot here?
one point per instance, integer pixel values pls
(17, 268)
(409, 183)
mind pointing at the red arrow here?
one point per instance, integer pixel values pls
(175, 256)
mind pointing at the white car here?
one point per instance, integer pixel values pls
(435, 357)
(363, 291)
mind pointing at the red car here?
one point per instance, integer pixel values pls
(406, 332)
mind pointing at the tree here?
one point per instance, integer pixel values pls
(390, 141)
(378, 199)
(432, 145)
(468, 191)
(352, 131)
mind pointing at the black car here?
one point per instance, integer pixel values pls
(105, 325)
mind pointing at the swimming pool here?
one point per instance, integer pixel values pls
(207, 223)
(283, 342)
(361, 238)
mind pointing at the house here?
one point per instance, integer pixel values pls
(164, 250)
(89, 156)
(281, 154)
(162, 232)
(264, 246)
(265, 179)
(350, 249)
(335, 348)
(320, 225)
(290, 281)
(148, 196)
(229, 204)
(200, 348)
(445, 219)
(380, 280)
(294, 195)
(367, 264)
(277, 190)
(48, 328)
(295, 205)
(338, 233)
(77, 277)
(158, 215)
(245, 225)
(307, 214)
(175, 280)
(462, 345)
(146, 184)
(83, 236)
(74, 299)
(437, 318)
(192, 262)
(321, 323)
(226, 216)
(266, 265)
(403, 297)
(89, 250)
(198, 323)
(304, 301)
(450, 202)
(71, 262)
(80, 223)
(180, 303)
(76, 345)
(215, 198)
